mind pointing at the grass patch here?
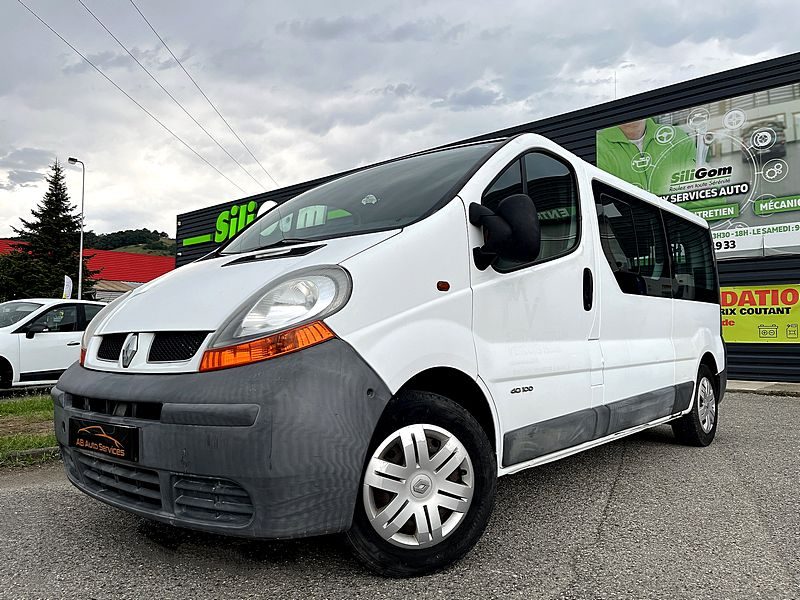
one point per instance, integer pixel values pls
(37, 406)
(25, 424)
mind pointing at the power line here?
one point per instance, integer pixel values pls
(158, 83)
(180, 64)
(111, 81)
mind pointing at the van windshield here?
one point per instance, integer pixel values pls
(385, 197)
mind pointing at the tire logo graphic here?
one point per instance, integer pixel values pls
(734, 119)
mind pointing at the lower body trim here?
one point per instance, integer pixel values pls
(546, 437)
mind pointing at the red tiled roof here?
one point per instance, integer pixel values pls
(119, 266)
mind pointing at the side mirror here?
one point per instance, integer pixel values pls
(34, 329)
(512, 231)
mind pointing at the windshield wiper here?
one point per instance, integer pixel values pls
(285, 242)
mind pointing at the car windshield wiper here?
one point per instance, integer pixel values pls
(285, 242)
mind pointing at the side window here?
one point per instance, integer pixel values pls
(692, 260)
(59, 319)
(632, 238)
(508, 184)
(90, 312)
(551, 185)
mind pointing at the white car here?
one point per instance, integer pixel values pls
(40, 338)
(370, 355)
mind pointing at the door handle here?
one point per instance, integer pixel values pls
(588, 289)
(74, 344)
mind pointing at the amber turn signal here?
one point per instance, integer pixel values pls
(278, 344)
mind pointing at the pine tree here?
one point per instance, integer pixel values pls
(48, 248)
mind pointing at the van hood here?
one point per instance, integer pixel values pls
(202, 295)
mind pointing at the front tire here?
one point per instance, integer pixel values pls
(428, 487)
(699, 426)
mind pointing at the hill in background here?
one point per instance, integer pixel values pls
(139, 241)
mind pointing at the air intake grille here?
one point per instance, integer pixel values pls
(126, 484)
(175, 346)
(214, 500)
(150, 411)
(111, 346)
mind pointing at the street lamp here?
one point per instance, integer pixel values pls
(71, 160)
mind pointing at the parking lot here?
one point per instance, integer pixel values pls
(639, 518)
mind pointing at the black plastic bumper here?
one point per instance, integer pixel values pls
(292, 432)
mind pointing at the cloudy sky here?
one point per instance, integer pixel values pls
(317, 87)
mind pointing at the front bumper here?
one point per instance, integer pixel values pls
(268, 450)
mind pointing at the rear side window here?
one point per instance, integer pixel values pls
(692, 260)
(551, 185)
(633, 242)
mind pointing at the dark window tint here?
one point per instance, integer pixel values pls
(508, 184)
(90, 312)
(552, 187)
(692, 260)
(632, 238)
(60, 319)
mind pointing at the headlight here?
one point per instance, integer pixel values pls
(96, 322)
(283, 317)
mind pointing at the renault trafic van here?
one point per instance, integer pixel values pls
(370, 355)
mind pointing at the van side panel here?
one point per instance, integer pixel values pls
(695, 331)
(397, 319)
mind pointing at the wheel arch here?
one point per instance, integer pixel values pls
(708, 360)
(461, 389)
(6, 372)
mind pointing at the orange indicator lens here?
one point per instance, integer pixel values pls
(278, 344)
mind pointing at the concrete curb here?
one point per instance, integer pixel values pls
(34, 453)
(764, 388)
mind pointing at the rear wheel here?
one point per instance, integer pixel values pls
(427, 489)
(698, 427)
(6, 373)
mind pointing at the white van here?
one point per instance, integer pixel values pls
(369, 356)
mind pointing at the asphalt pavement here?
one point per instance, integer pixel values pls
(640, 518)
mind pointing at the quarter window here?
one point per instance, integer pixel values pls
(632, 238)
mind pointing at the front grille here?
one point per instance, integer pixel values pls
(172, 346)
(215, 500)
(127, 484)
(111, 346)
(150, 411)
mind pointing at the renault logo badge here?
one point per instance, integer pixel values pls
(129, 349)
